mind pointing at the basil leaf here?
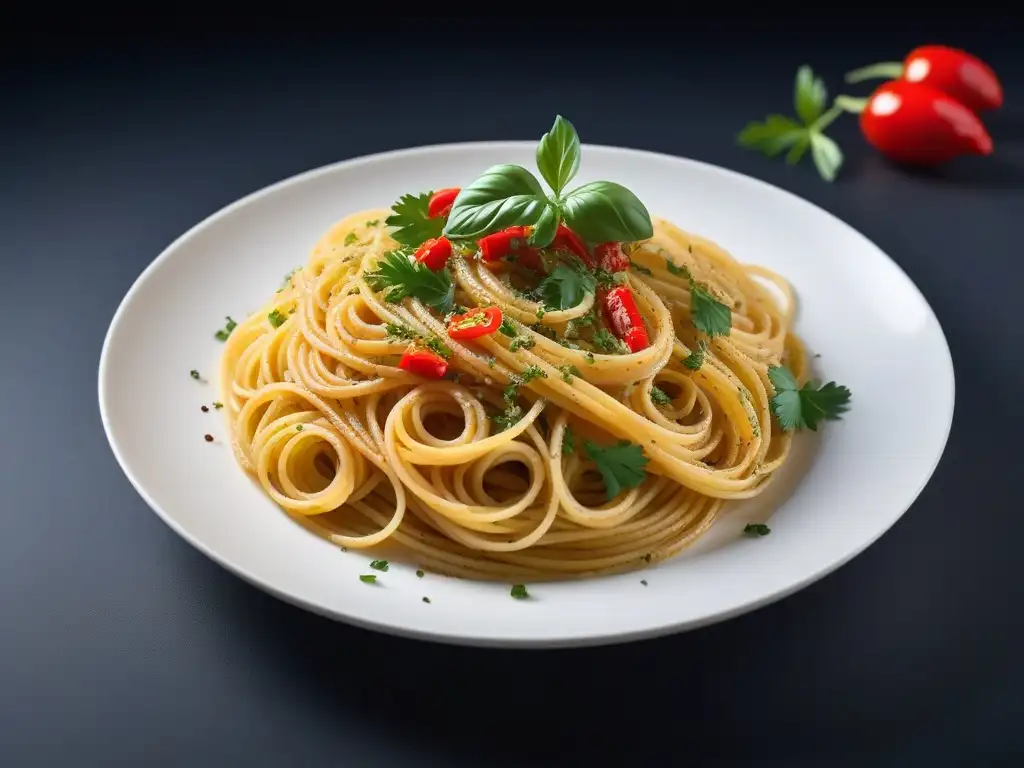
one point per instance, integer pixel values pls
(603, 211)
(558, 154)
(545, 228)
(503, 196)
(826, 154)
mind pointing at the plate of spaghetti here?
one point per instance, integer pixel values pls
(526, 393)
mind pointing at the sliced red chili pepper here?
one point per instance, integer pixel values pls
(966, 78)
(623, 317)
(511, 242)
(434, 253)
(570, 241)
(423, 362)
(441, 202)
(479, 321)
(611, 257)
(918, 124)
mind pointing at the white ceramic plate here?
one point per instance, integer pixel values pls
(873, 329)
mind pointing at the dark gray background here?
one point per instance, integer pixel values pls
(121, 645)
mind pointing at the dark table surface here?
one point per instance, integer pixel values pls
(121, 645)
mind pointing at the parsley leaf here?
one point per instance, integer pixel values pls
(507, 418)
(519, 592)
(695, 359)
(682, 271)
(568, 371)
(779, 133)
(379, 565)
(414, 226)
(709, 315)
(607, 343)
(522, 342)
(658, 396)
(276, 319)
(756, 529)
(507, 329)
(223, 333)
(438, 347)
(350, 238)
(568, 441)
(368, 579)
(532, 372)
(399, 276)
(566, 286)
(797, 407)
(621, 465)
(398, 332)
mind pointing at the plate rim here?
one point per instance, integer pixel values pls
(556, 640)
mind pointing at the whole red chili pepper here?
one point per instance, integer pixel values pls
(441, 202)
(510, 242)
(611, 257)
(568, 240)
(622, 316)
(479, 321)
(434, 253)
(921, 125)
(966, 78)
(423, 362)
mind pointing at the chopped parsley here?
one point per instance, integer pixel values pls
(621, 465)
(419, 574)
(608, 344)
(796, 407)
(532, 372)
(399, 332)
(572, 328)
(491, 361)
(276, 319)
(522, 342)
(368, 579)
(287, 282)
(658, 397)
(218, 405)
(606, 279)
(350, 238)
(412, 221)
(298, 427)
(438, 347)
(568, 371)
(372, 223)
(590, 358)
(682, 272)
(379, 565)
(695, 359)
(540, 312)
(507, 418)
(399, 276)
(644, 582)
(507, 329)
(568, 441)
(426, 600)
(756, 529)
(223, 333)
(194, 374)
(641, 269)
(519, 592)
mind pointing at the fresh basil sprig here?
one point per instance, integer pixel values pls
(509, 195)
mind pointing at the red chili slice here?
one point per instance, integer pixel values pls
(441, 202)
(624, 319)
(434, 253)
(611, 257)
(567, 239)
(479, 321)
(423, 362)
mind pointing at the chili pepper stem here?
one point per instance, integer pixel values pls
(888, 70)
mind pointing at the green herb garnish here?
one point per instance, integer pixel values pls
(438, 347)
(568, 441)
(223, 333)
(756, 529)
(658, 397)
(413, 224)
(530, 373)
(796, 407)
(194, 374)
(779, 133)
(608, 344)
(621, 465)
(567, 285)
(507, 195)
(276, 319)
(350, 238)
(519, 592)
(568, 371)
(522, 342)
(399, 276)
(398, 332)
(695, 359)
(368, 579)
(641, 269)
(379, 565)
(218, 405)
(507, 329)
(426, 599)
(419, 574)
